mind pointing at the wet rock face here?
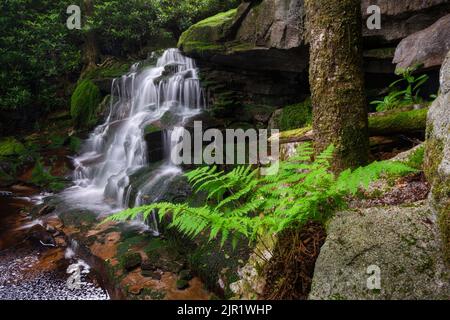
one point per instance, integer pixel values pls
(437, 156)
(397, 243)
(428, 47)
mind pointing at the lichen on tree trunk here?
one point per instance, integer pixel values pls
(337, 80)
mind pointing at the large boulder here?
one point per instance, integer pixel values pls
(437, 155)
(399, 244)
(427, 47)
(267, 35)
(270, 34)
(401, 18)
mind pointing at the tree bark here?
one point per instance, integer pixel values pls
(90, 50)
(337, 80)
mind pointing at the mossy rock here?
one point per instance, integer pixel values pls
(182, 284)
(130, 260)
(255, 113)
(5, 178)
(416, 158)
(293, 116)
(213, 262)
(11, 147)
(185, 275)
(113, 70)
(84, 104)
(413, 158)
(437, 164)
(169, 119)
(80, 219)
(41, 176)
(151, 128)
(206, 35)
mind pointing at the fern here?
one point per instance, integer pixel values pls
(243, 203)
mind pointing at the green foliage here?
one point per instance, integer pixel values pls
(296, 116)
(390, 102)
(74, 144)
(10, 147)
(243, 203)
(397, 96)
(84, 103)
(41, 177)
(415, 160)
(403, 121)
(124, 27)
(179, 16)
(35, 49)
(113, 70)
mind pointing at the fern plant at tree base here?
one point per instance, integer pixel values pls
(242, 202)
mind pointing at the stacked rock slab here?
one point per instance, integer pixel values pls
(437, 156)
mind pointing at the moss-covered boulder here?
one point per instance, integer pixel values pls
(130, 260)
(84, 103)
(207, 36)
(10, 147)
(437, 156)
(292, 117)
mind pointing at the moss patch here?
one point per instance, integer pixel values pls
(84, 103)
(296, 116)
(293, 135)
(114, 70)
(434, 152)
(206, 35)
(11, 147)
(416, 159)
(130, 260)
(398, 122)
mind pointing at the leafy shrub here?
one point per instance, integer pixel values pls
(84, 103)
(401, 97)
(36, 48)
(242, 203)
(10, 147)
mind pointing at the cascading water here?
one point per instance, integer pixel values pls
(117, 148)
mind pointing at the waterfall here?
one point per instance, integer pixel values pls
(117, 148)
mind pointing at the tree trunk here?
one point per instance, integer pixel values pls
(90, 50)
(337, 80)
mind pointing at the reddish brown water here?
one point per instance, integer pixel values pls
(13, 215)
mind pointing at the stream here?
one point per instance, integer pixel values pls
(30, 270)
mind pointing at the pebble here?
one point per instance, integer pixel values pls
(18, 282)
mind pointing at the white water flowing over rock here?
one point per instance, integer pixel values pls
(117, 149)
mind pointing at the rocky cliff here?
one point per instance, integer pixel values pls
(270, 34)
(257, 54)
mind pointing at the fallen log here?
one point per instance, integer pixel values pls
(397, 122)
(380, 124)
